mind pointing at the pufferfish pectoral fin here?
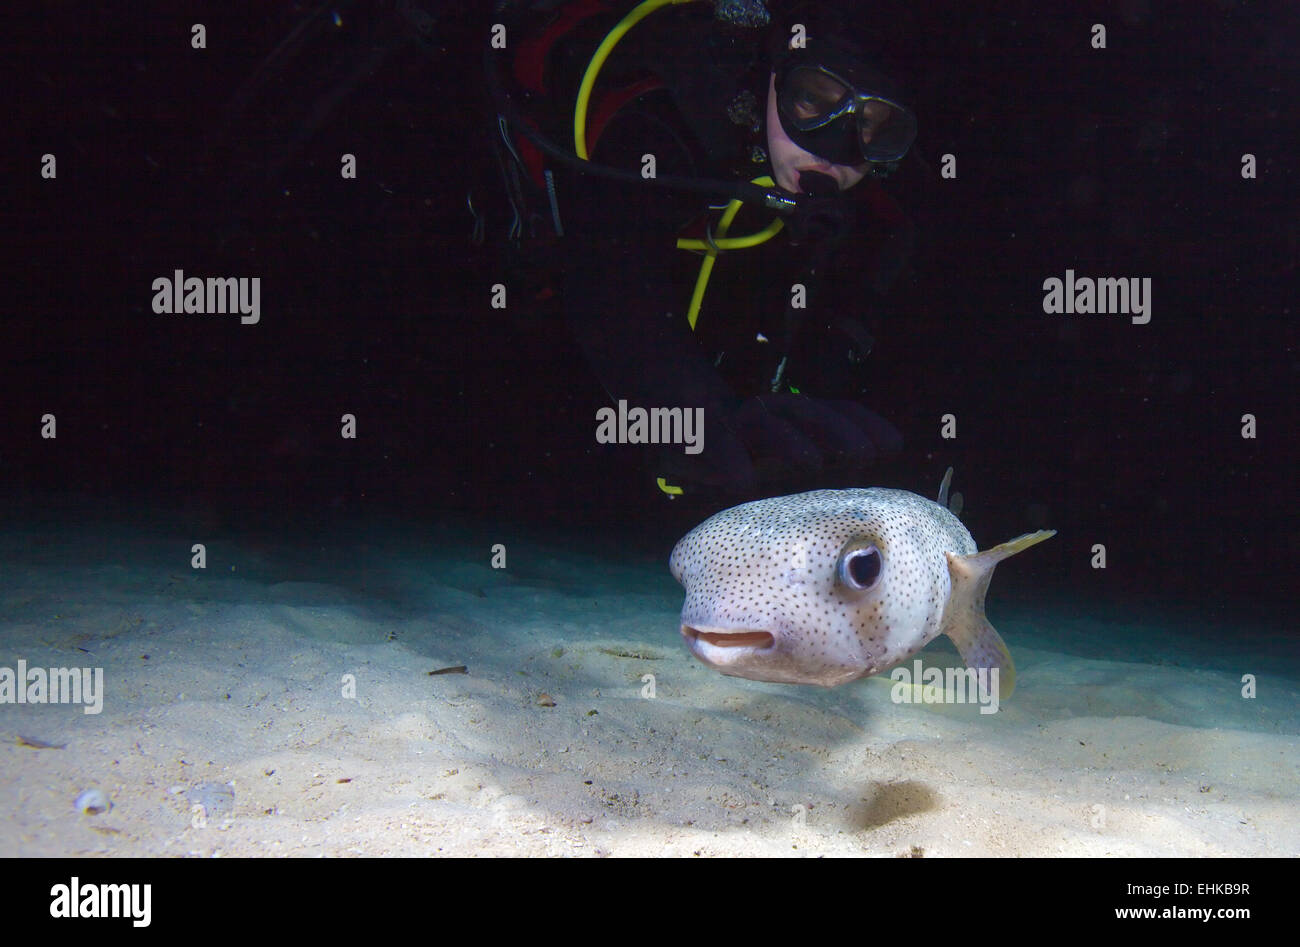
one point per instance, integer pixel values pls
(977, 641)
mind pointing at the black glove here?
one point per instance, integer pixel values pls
(779, 437)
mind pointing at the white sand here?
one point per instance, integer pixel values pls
(243, 684)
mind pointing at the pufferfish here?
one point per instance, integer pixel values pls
(833, 585)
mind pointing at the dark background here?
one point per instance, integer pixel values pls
(1120, 162)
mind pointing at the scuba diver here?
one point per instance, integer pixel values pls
(626, 131)
(696, 187)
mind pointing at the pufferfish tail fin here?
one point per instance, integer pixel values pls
(964, 622)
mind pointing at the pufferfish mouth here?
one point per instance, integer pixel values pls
(728, 637)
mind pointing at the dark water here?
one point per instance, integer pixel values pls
(1122, 162)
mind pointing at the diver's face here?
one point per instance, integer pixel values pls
(788, 159)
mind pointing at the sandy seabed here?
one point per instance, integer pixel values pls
(280, 703)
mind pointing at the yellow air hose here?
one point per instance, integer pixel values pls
(711, 248)
(719, 241)
(638, 13)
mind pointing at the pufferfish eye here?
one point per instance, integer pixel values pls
(860, 565)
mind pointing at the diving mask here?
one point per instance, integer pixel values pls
(843, 121)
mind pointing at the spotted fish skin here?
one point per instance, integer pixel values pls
(829, 586)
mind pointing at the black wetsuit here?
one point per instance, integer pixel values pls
(627, 286)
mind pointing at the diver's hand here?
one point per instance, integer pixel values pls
(778, 437)
(790, 434)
